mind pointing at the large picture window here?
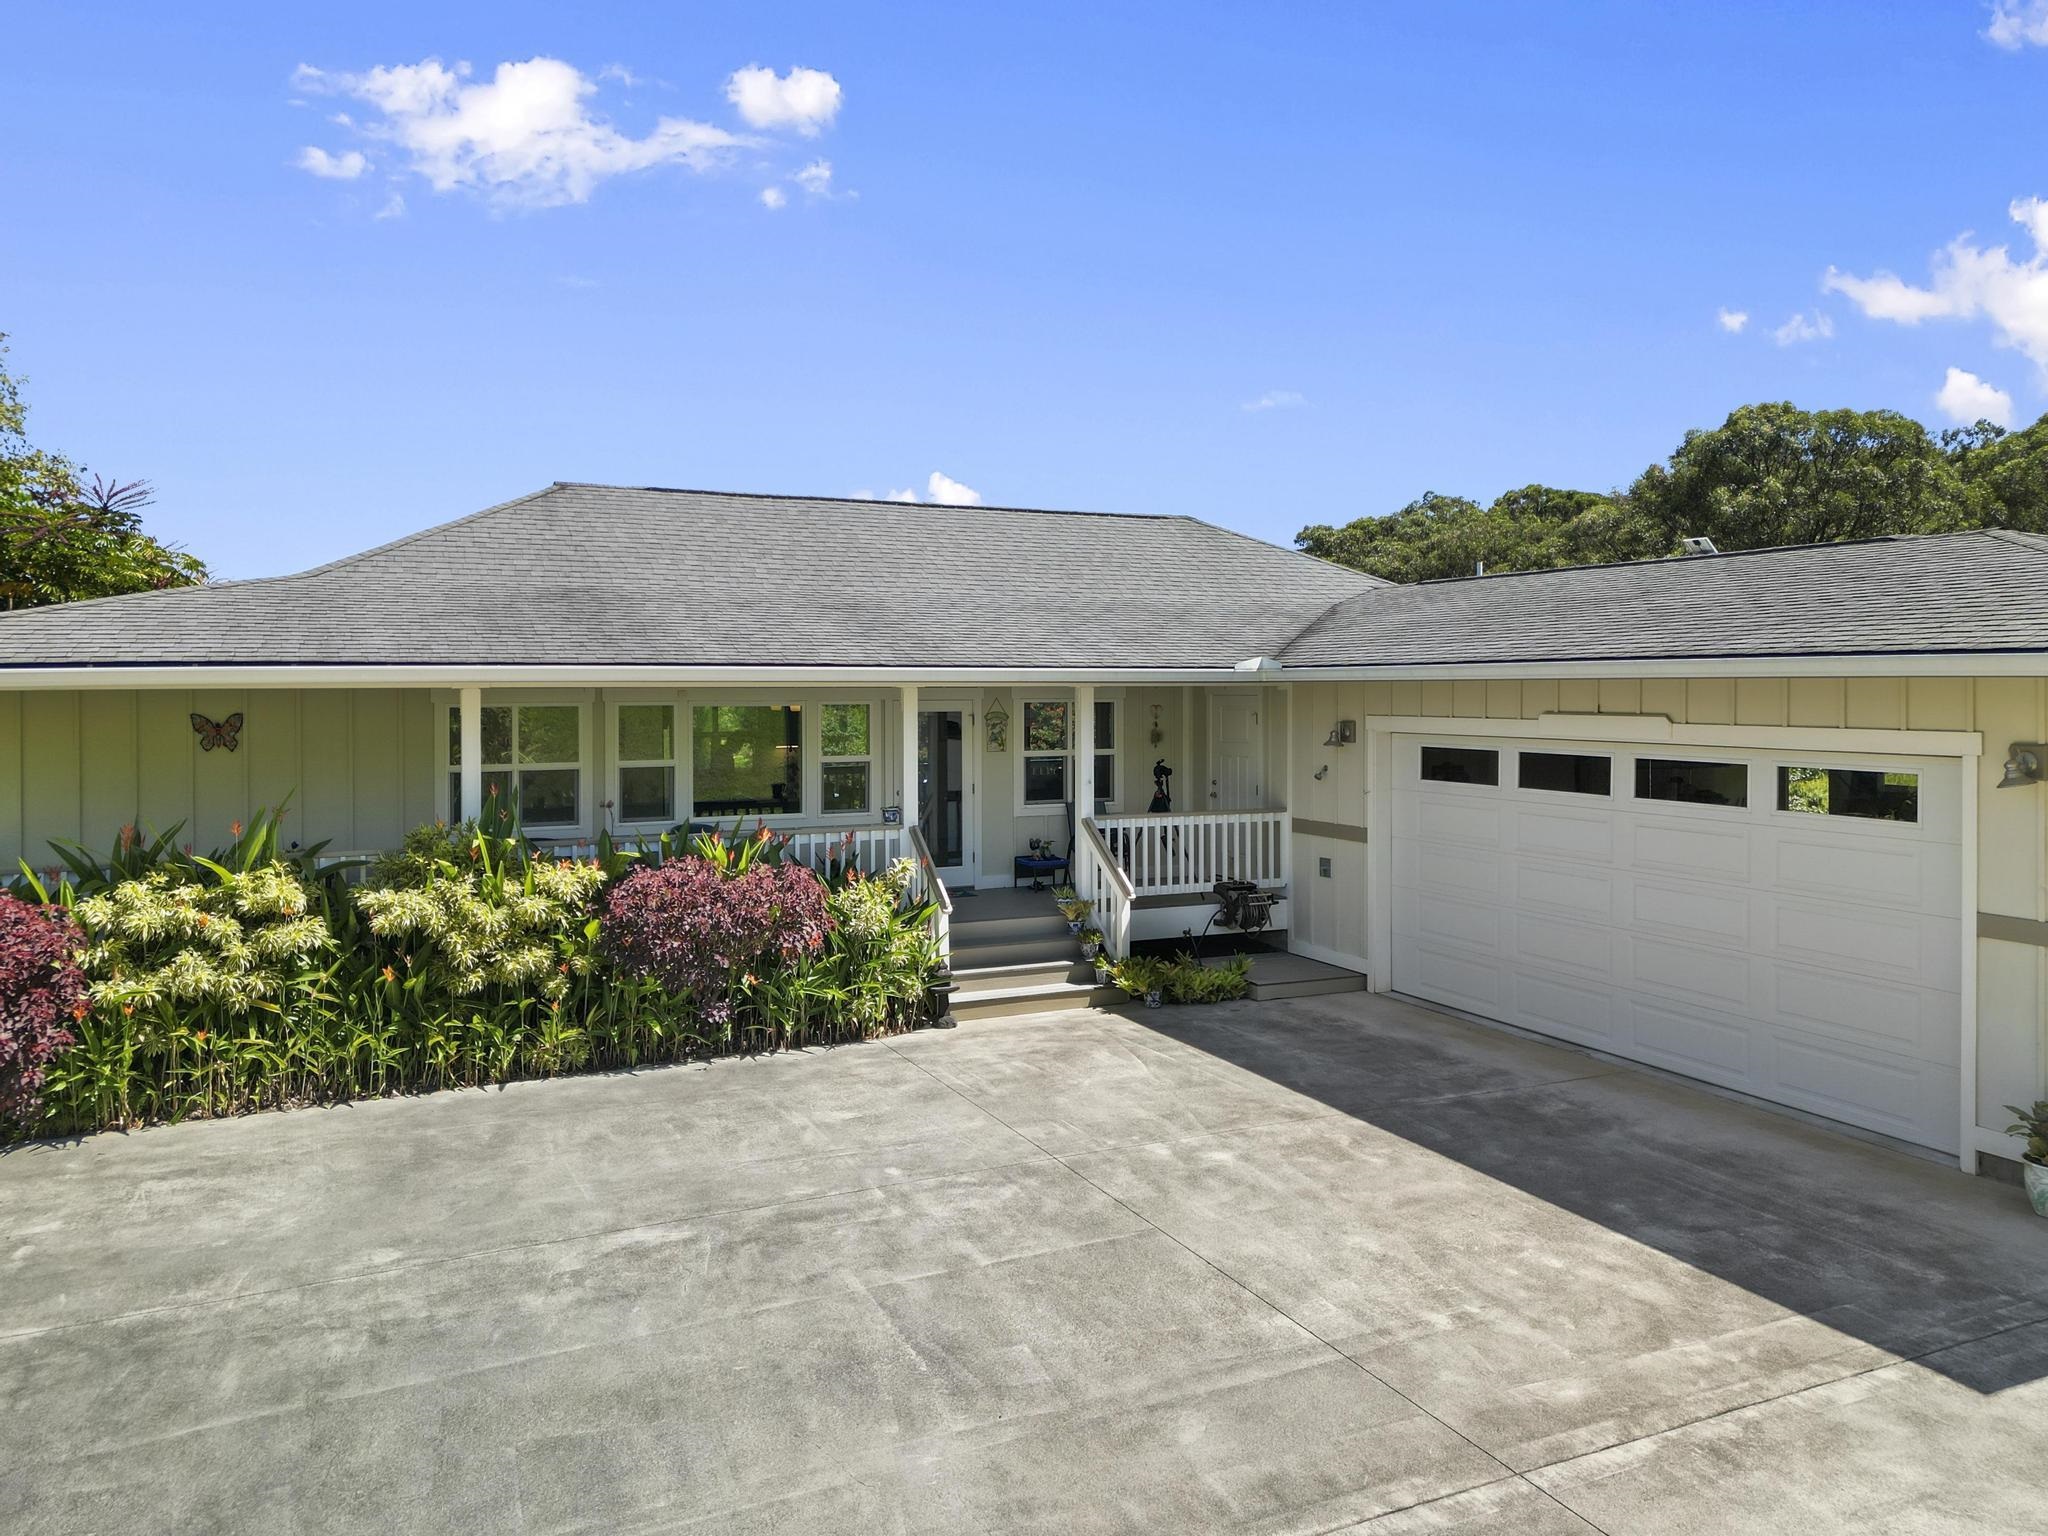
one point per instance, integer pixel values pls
(1048, 750)
(646, 745)
(746, 760)
(533, 754)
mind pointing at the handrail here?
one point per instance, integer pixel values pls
(921, 851)
(934, 890)
(1108, 885)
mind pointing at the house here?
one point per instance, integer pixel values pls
(1771, 820)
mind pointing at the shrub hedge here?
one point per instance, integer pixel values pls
(154, 984)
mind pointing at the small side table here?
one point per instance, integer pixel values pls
(1038, 868)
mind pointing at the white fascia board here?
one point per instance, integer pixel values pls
(568, 676)
(1888, 664)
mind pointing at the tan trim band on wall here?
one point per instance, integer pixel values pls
(1341, 831)
(2013, 930)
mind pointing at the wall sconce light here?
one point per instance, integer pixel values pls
(2023, 764)
(1324, 771)
(1342, 734)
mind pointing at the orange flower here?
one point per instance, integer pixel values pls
(234, 829)
(390, 974)
(128, 1010)
(563, 967)
(199, 1037)
(79, 1011)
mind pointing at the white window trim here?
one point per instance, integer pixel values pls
(1023, 752)
(562, 831)
(1115, 752)
(811, 706)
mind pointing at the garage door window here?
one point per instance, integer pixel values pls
(1870, 793)
(1566, 773)
(1461, 765)
(1691, 783)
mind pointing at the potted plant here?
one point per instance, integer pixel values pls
(1091, 943)
(1103, 967)
(1074, 909)
(1142, 976)
(2033, 1124)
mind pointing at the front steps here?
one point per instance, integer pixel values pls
(1012, 954)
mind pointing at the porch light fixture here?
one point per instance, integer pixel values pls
(1342, 734)
(2023, 764)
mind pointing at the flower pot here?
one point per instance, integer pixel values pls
(938, 998)
(1155, 998)
(1090, 951)
(1102, 975)
(2035, 1177)
(1073, 925)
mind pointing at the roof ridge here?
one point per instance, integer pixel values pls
(878, 501)
(1684, 559)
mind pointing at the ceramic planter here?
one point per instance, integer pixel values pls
(2035, 1176)
(1155, 998)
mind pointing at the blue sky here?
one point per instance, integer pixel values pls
(1062, 248)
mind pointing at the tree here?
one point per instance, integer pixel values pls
(1532, 528)
(1774, 474)
(63, 537)
(2005, 473)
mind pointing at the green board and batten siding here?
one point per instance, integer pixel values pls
(358, 764)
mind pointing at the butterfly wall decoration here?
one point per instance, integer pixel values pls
(218, 733)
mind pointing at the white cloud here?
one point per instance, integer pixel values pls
(394, 207)
(1731, 320)
(1814, 327)
(1277, 400)
(525, 137)
(1967, 281)
(2016, 23)
(815, 178)
(773, 197)
(941, 489)
(346, 166)
(1966, 399)
(804, 99)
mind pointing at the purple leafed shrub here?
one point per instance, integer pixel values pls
(42, 993)
(701, 931)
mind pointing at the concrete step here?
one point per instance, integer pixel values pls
(978, 954)
(968, 928)
(1053, 997)
(1004, 978)
(1316, 986)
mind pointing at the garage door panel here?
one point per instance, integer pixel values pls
(1557, 1005)
(1811, 959)
(1581, 947)
(1696, 1043)
(1719, 977)
(1918, 1021)
(1893, 873)
(1443, 919)
(1679, 846)
(1552, 835)
(1434, 867)
(1714, 913)
(1586, 893)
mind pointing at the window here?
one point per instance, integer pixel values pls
(1566, 773)
(1461, 765)
(647, 763)
(1048, 747)
(1866, 792)
(1105, 751)
(746, 760)
(846, 755)
(1689, 783)
(532, 753)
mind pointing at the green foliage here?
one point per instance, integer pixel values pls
(225, 984)
(1770, 474)
(2032, 1124)
(63, 538)
(1183, 978)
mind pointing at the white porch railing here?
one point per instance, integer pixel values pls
(1099, 881)
(1170, 854)
(925, 885)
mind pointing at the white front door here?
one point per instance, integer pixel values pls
(1782, 923)
(948, 770)
(1237, 752)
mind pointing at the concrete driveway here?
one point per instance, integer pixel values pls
(1284, 1267)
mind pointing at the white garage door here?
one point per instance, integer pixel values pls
(1779, 923)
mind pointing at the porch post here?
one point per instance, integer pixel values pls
(908, 797)
(472, 727)
(1084, 751)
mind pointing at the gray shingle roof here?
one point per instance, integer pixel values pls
(1974, 592)
(614, 576)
